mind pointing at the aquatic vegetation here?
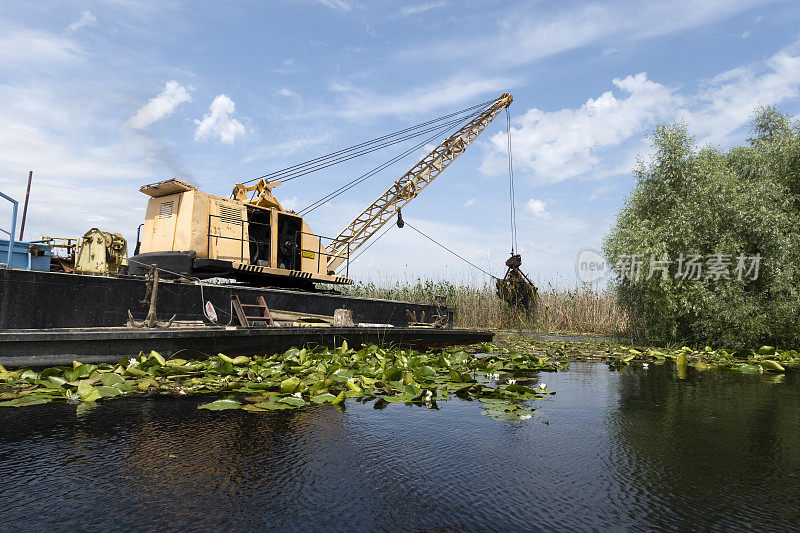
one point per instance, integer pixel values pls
(766, 359)
(299, 377)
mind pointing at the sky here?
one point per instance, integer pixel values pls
(100, 98)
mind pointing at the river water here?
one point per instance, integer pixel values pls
(635, 449)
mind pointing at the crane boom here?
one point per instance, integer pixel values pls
(410, 185)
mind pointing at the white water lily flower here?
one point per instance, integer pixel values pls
(512, 381)
(645, 366)
(428, 396)
(298, 394)
(132, 361)
(542, 386)
(525, 417)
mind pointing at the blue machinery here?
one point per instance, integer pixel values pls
(10, 234)
(22, 254)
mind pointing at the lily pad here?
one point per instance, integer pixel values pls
(221, 405)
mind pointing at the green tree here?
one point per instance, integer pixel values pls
(715, 204)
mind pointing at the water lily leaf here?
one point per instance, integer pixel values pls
(226, 368)
(256, 399)
(25, 400)
(749, 369)
(351, 386)
(273, 406)
(323, 398)
(380, 403)
(253, 409)
(516, 387)
(292, 400)
(341, 375)
(425, 370)
(339, 399)
(146, 383)
(87, 392)
(772, 366)
(221, 405)
(135, 372)
(53, 382)
(412, 391)
(107, 391)
(111, 379)
(156, 358)
(397, 398)
(290, 385)
(392, 374)
(240, 360)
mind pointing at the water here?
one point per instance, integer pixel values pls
(632, 450)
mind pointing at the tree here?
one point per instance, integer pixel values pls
(718, 210)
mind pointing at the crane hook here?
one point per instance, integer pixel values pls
(400, 221)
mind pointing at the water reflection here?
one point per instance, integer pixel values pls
(635, 449)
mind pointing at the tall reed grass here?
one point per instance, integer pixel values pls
(576, 309)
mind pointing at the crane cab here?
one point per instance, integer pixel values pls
(195, 234)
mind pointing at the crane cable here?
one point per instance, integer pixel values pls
(312, 165)
(352, 183)
(511, 186)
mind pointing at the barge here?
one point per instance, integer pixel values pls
(49, 318)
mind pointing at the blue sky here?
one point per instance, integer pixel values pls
(100, 98)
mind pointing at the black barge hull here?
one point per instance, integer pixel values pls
(50, 318)
(40, 348)
(43, 300)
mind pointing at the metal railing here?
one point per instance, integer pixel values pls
(14, 205)
(241, 239)
(319, 251)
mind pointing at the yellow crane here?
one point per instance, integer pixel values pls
(190, 233)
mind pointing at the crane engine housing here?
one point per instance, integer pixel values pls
(195, 234)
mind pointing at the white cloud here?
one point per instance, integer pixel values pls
(469, 203)
(727, 102)
(219, 122)
(287, 148)
(523, 36)
(407, 11)
(537, 208)
(600, 190)
(557, 145)
(364, 105)
(292, 203)
(284, 92)
(573, 142)
(163, 105)
(26, 49)
(339, 5)
(87, 19)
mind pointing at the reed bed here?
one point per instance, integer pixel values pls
(560, 309)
